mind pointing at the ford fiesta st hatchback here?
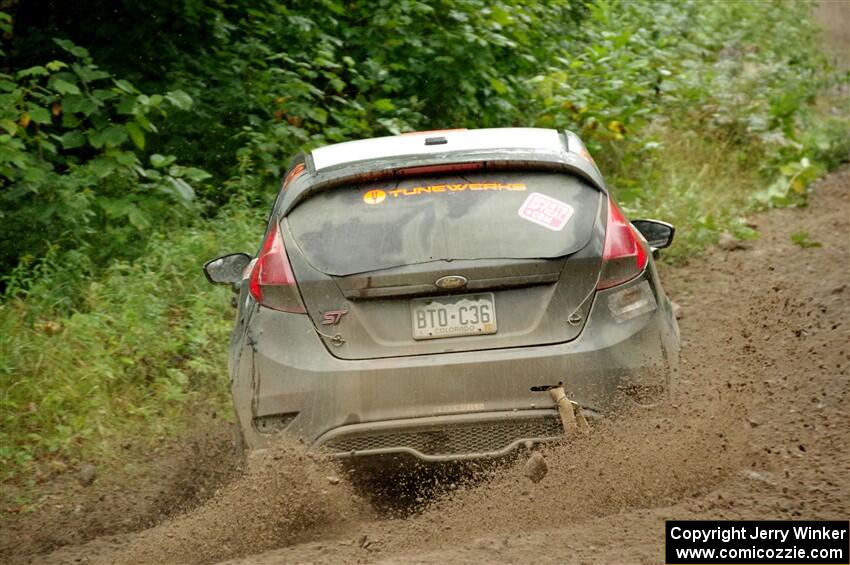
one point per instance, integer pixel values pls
(418, 295)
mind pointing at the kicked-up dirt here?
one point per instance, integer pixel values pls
(757, 429)
(161, 481)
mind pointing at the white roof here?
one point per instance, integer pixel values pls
(534, 139)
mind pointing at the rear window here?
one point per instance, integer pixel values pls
(488, 215)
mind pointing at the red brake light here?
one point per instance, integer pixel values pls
(437, 169)
(272, 282)
(623, 257)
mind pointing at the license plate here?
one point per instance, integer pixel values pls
(472, 314)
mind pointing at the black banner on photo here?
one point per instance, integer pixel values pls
(762, 542)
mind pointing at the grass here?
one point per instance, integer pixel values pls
(700, 185)
(148, 340)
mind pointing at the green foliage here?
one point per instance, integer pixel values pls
(804, 240)
(147, 339)
(72, 175)
(270, 79)
(731, 71)
(361, 70)
(698, 112)
(790, 188)
(613, 81)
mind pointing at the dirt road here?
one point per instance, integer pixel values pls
(757, 428)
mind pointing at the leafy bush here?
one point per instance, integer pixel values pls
(147, 340)
(72, 175)
(698, 112)
(271, 78)
(367, 69)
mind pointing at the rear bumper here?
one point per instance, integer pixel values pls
(455, 437)
(441, 407)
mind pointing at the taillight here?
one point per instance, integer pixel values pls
(439, 169)
(272, 282)
(624, 257)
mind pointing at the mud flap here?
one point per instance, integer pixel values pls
(572, 418)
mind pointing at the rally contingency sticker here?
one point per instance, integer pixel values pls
(546, 211)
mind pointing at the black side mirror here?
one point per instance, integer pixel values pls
(658, 234)
(227, 269)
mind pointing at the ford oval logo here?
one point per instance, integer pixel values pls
(451, 281)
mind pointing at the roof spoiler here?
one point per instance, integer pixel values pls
(572, 158)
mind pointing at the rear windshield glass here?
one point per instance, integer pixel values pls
(488, 215)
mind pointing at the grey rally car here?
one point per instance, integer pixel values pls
(418, 294)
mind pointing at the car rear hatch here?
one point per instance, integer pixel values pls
(447, 263)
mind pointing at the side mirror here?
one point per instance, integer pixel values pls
(227, 269)
(658, 234)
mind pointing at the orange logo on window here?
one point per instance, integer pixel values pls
(374, 196)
